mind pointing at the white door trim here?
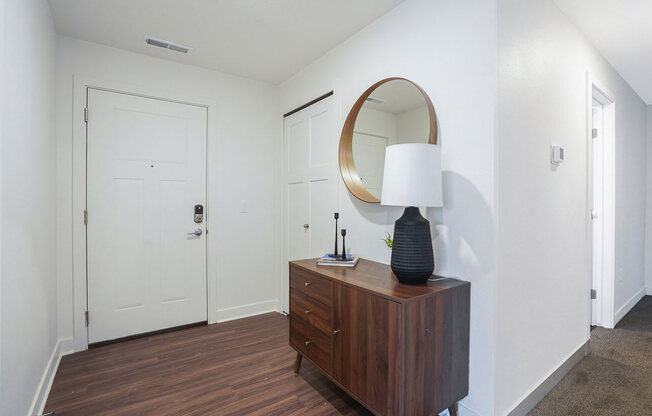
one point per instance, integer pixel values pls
(596, 89)
(80, 294)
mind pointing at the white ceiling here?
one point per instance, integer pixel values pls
(622, 31)
(268, 40)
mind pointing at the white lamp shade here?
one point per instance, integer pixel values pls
(412, 176)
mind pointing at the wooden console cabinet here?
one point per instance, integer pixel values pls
(397, 349)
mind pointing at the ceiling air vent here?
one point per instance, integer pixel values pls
(167, 45)
(375, 100)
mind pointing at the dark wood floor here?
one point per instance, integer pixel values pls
(241, 367)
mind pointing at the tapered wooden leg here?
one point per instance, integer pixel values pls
(297, 363)
(453, 410)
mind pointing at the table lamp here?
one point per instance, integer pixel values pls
(412, 179)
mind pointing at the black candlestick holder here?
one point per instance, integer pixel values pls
(343, 258)
(334, 253)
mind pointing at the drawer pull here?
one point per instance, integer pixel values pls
(307, 284)
(336, 331)
(308, 312)
(308, 343)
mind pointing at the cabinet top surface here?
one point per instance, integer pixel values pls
(378, 278)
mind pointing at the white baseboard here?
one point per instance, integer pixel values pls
(244, 311)
(539, 392)
(465, 411)
(62, 347)
(628, 305)
(462, 410)
(66, 346)
(648, 291)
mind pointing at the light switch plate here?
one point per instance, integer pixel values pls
(556, 154)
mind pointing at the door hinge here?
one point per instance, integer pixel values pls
(594, 214)
(85, 217)
(594, 294)
(85, 114)
(594, 133)
(86, 317)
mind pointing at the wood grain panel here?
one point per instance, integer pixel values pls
(311, 312)
(312, 343)
(451, 324)
(376, 278)
(311, 285)
(366, 347)
(436, 354)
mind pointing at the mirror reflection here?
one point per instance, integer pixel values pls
(395, 112)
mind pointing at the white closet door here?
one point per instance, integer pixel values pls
(310, 140)
(146, 170)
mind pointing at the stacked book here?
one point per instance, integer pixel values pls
(330, 260)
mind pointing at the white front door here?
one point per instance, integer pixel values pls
(310, 141)
(146, 170)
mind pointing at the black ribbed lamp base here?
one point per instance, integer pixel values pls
(412, 258)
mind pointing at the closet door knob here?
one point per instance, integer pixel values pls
(307, 284)
(306, 226)
(336, 331)
(308, 312)
(308, 343)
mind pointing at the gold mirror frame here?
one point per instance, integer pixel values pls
(347, 165)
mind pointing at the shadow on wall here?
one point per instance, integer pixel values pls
(378, 214)
(463, 230)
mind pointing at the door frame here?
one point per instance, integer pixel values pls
(597, 90)
(81, 84)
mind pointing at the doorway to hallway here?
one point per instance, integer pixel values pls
(602, 195)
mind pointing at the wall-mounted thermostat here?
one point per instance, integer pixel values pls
(556, 154)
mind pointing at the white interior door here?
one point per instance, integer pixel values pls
(310, 141)
(597, 211)
(369, 156)
(603, 188)
(146, 170)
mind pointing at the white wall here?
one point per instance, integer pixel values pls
(29, 312)
(245, 163)
(407, 127)
(449, 49)
(377, 123)
(2, 135)
(413, 125)
(648, 212)
(543, 281)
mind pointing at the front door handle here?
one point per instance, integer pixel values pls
(196, 233)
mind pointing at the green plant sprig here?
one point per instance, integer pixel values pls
(388, 240)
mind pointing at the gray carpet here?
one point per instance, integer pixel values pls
(615, 378)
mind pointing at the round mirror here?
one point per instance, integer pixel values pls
(392, 111)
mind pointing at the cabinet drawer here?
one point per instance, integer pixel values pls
(313, 286)
(311, 311)
(312, 343)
